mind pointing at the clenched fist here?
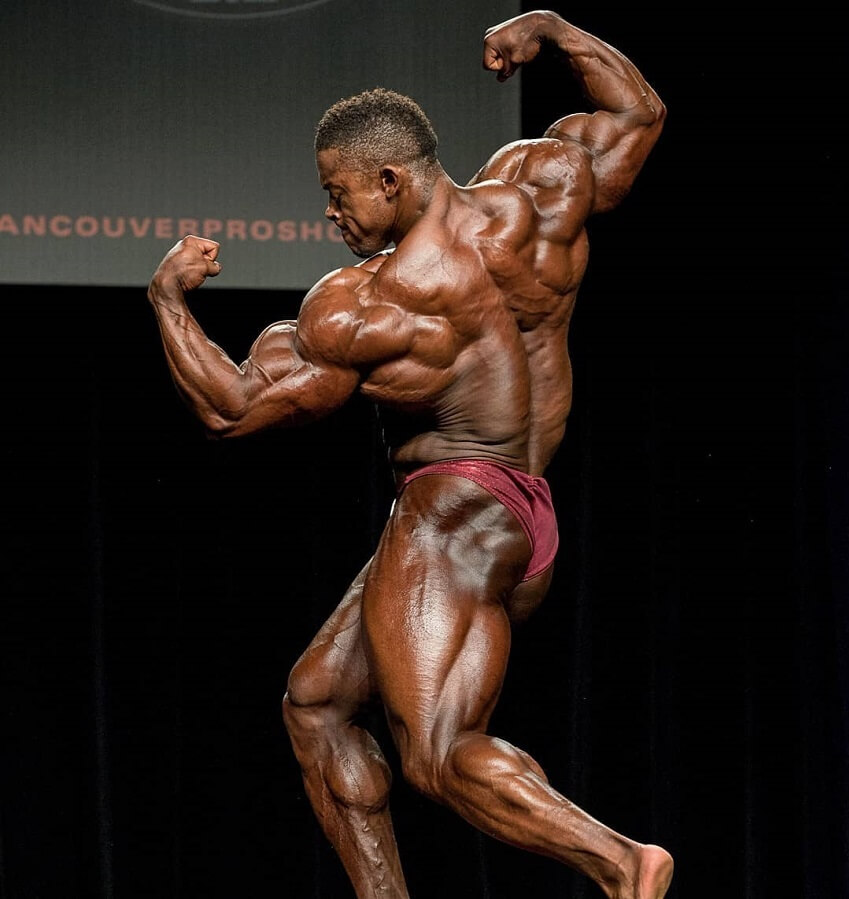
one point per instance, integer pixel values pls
(188, 263)
(515, 42)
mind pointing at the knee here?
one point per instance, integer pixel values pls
(306, 706)
(480, 755)
(293, 714)
(470, 757)
(330, 747)
(311, 727)
(437, 772)
(479, 759)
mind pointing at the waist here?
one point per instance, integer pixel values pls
(404, 468)
(488, 472)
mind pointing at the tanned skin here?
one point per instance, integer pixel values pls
(459, 335)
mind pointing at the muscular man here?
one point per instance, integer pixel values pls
(459, 335)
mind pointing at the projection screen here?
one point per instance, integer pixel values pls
(129, 123)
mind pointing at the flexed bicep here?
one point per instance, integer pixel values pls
(282, 385)
(299, 371)
(617, 146)
(629, 114)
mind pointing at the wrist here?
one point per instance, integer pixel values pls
(548, 24)
(165, 291)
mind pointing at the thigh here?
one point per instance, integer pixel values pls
(437, 634)
(333, 669)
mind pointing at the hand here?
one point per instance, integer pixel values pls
(189, 263)
(514, 42)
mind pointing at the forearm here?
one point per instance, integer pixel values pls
(609, 80)
(207, 379)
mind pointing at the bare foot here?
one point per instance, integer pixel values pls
(654, 872)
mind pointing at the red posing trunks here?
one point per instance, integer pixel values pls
(526, 496)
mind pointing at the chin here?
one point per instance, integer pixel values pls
(365, 245)
(366, 252)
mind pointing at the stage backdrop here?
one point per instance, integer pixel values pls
(128, 123)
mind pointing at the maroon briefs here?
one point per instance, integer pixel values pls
(526, 496)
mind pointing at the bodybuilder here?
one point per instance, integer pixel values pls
(459, 335)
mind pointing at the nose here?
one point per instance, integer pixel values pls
(332, 212)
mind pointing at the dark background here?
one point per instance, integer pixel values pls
(686, 680)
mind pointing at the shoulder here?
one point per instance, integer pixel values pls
(555, 175)
(334, 294)
(330, 313)
(341, 288)
(344, 321)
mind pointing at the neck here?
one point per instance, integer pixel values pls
(423, 192)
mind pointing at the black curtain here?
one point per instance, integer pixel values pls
(685, 681)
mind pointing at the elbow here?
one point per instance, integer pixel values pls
(655, 113)
(223, 424)
(214, 434)
(652, 122)
(649, 112)
(219, 425)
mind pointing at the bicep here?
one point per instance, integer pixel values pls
(299, 371)
(617, 144)
(284, 385)
(321, 359)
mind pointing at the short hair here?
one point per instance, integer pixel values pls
(375, 127)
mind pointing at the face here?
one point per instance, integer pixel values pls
(357, 205)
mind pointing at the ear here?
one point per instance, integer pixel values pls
(390, 178)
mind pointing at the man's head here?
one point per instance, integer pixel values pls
(377, 127)
(375, 151)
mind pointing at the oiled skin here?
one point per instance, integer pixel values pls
(460, 336)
